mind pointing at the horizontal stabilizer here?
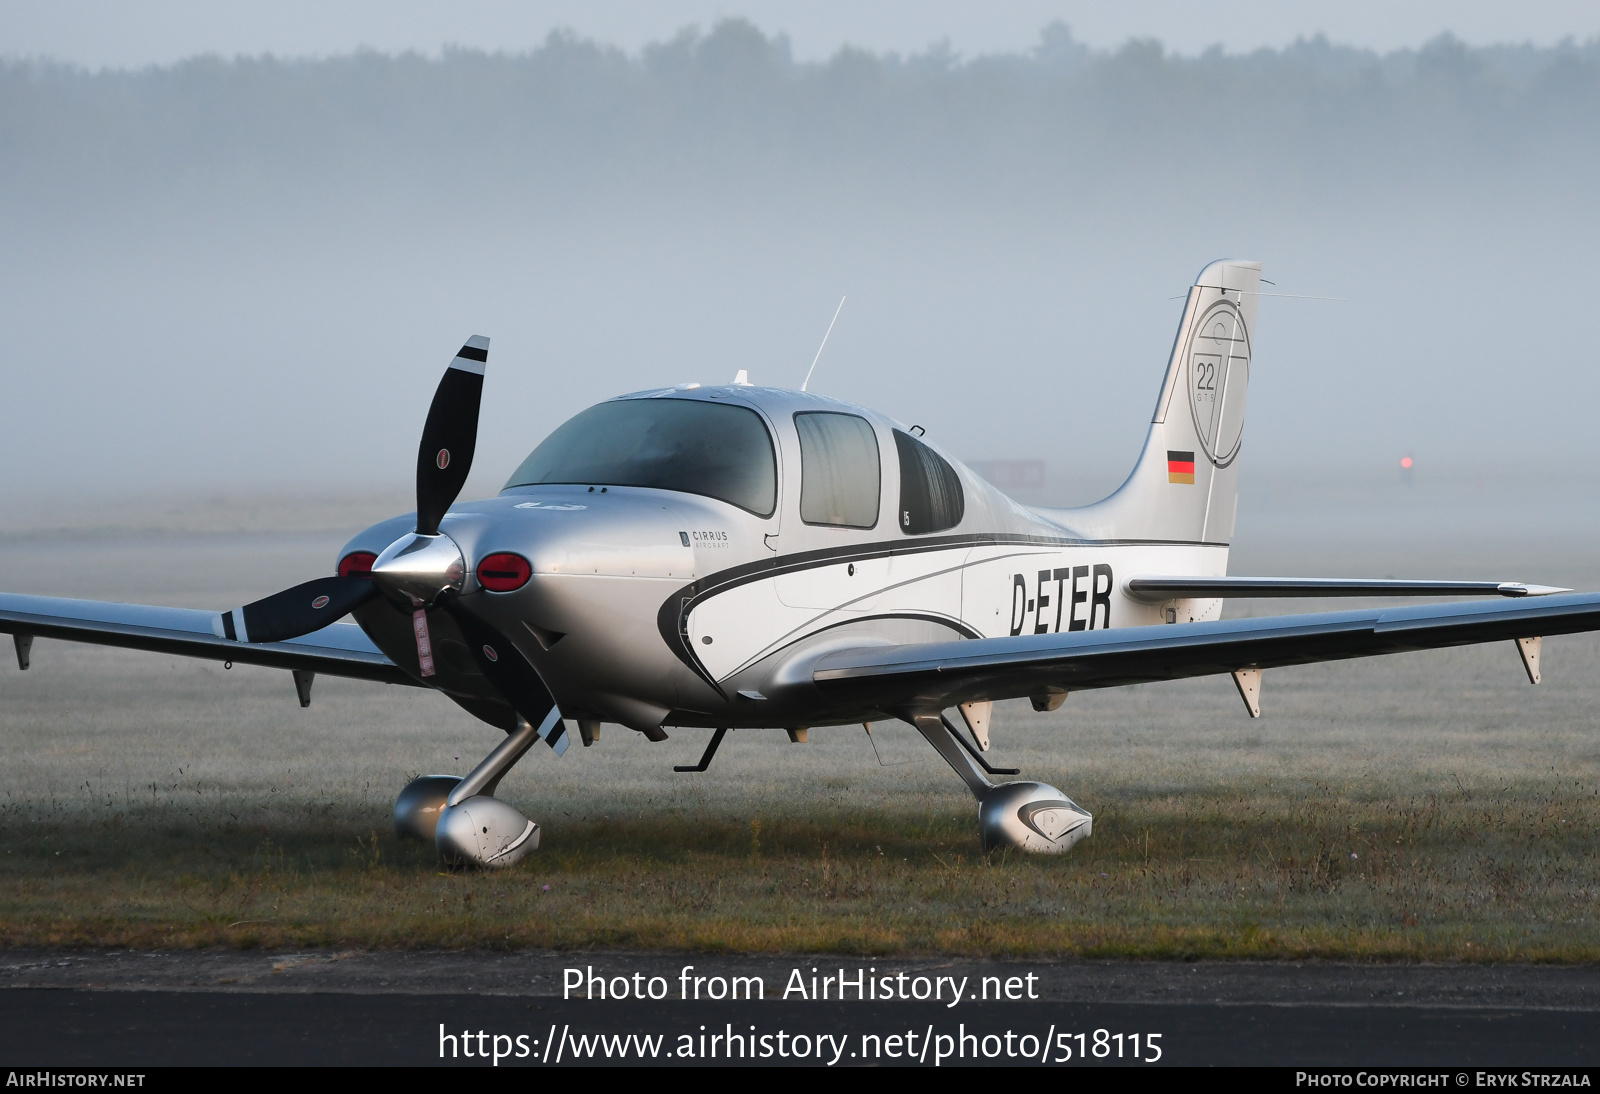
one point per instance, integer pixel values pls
(1156, 589)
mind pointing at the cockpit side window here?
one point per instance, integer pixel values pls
(716, 449)
(931, 499)
(840, 474)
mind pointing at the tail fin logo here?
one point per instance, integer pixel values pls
(1219, 375)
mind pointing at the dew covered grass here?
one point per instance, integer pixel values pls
(1501, 873)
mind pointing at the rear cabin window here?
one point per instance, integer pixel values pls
(930, 491)
(714, 449)
(840, 475)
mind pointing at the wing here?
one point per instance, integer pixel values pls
(339, 649)
(939, 675)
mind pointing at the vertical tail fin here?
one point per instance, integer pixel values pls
(1184, 487)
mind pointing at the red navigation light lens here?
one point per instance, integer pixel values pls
(503, 572)
(357, 564)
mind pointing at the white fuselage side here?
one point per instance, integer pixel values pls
(982, 590)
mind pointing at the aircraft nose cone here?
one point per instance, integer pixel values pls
(420, 567)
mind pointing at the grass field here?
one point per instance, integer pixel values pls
(1429, 806)
(1506, 873)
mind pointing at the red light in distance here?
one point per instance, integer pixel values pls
(503, 572)
(1405, 462)
(357, 564)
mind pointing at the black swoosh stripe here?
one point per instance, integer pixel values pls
(672, 618)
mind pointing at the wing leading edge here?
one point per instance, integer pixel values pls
(339, 649)
(935, 676)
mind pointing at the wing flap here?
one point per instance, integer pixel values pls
(946, 673)
(339, 649)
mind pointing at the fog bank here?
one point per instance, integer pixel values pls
(247, 275)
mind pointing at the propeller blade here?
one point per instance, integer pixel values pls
(293, 612)
(450, 435)
(510, 672)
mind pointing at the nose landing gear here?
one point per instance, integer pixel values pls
(468, 825)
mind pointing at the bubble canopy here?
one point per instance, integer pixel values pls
(714, 449)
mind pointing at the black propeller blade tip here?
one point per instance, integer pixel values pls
(450, 435)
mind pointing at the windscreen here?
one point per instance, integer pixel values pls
(714, 449)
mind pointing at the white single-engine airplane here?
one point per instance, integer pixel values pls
(744, 557)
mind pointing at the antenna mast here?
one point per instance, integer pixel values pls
(818, 357)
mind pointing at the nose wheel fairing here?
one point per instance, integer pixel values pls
(486, 832)
(417, 809)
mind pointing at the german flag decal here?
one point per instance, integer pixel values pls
(1180, 467)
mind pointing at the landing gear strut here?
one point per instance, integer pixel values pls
(1030, 816)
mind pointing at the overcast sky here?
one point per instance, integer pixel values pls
(96, 33)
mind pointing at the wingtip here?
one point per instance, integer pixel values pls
(1546, 590)
(1522, 588)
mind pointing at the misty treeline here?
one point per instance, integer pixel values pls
(729, 112)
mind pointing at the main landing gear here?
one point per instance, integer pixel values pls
(1027, 815)
(466, 822)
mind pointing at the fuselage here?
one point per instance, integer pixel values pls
(649, 605)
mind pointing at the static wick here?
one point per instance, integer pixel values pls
(818, 357)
